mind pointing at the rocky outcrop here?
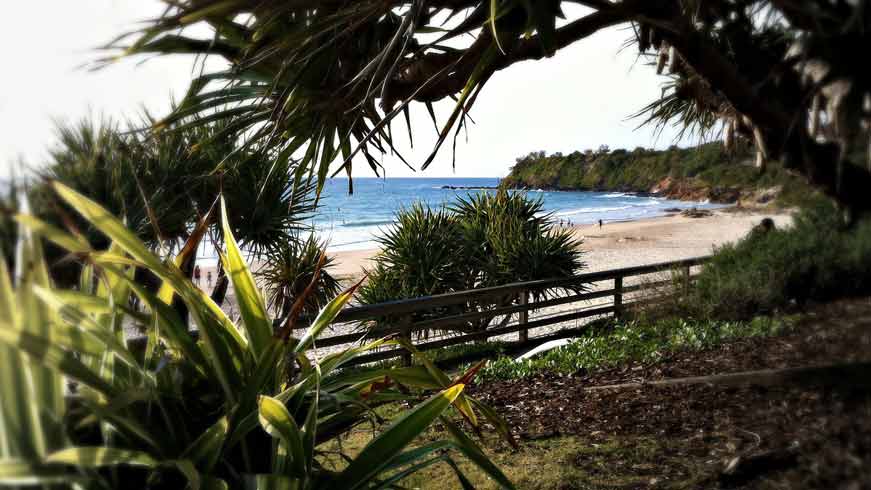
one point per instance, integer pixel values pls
(696, 213)
(469, 187)
(695, 190)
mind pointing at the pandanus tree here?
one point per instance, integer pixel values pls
(480, 241)
(290, 267)
(131, 175)
(162, 184)
(325, 78)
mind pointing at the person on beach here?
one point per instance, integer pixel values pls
(197, 275)
(600, 223)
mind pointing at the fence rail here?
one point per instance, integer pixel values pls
(508, 299)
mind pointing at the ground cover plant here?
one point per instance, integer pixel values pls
(239, 406)
(617, 342)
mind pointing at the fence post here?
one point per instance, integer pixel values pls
(618, 296)
(686, 280)
(405, 326)
(523, 317)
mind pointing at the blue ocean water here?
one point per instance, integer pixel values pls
(351, 222)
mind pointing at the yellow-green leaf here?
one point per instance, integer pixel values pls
(379, 453)
(324, 319)
(99, 456)
(277, 421)
(471, 450)
(206, 449)
(17, 472)
(251, 304)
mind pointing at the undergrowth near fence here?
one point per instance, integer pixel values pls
(816, 259)
(641, 341)
(446, 357)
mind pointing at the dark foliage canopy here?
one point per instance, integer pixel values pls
(325, 78)
(162, 184)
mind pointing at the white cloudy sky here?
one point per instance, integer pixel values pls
(578, 99)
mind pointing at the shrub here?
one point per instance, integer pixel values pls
(815, 259)
(483, 240)
(506, 237)
(420, 256)
(161, 184)
(241, 407)
(290, 267)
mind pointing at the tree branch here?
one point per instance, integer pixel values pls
(415, 73)
(817, 162)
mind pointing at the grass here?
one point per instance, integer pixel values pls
(564, 463)
(594, 461)
(633, 341)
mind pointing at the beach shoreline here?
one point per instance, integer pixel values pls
(628, 243)
(615, 245)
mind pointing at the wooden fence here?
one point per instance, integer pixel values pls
(606, 286)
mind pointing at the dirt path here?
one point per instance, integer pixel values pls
(800, 438)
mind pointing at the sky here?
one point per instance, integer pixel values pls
(580, 98)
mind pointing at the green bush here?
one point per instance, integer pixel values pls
(421, 256)
(241, 406)
(816, 259)
(632, 341)
(289, 269)
(484, 240)
(161, 184)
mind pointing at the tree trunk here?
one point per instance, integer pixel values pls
(219, 293)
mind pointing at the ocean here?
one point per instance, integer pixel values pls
(351, 222)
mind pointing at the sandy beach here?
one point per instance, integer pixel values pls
(614, 245)
(629, 243)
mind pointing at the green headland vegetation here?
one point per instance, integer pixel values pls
(704, 172)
